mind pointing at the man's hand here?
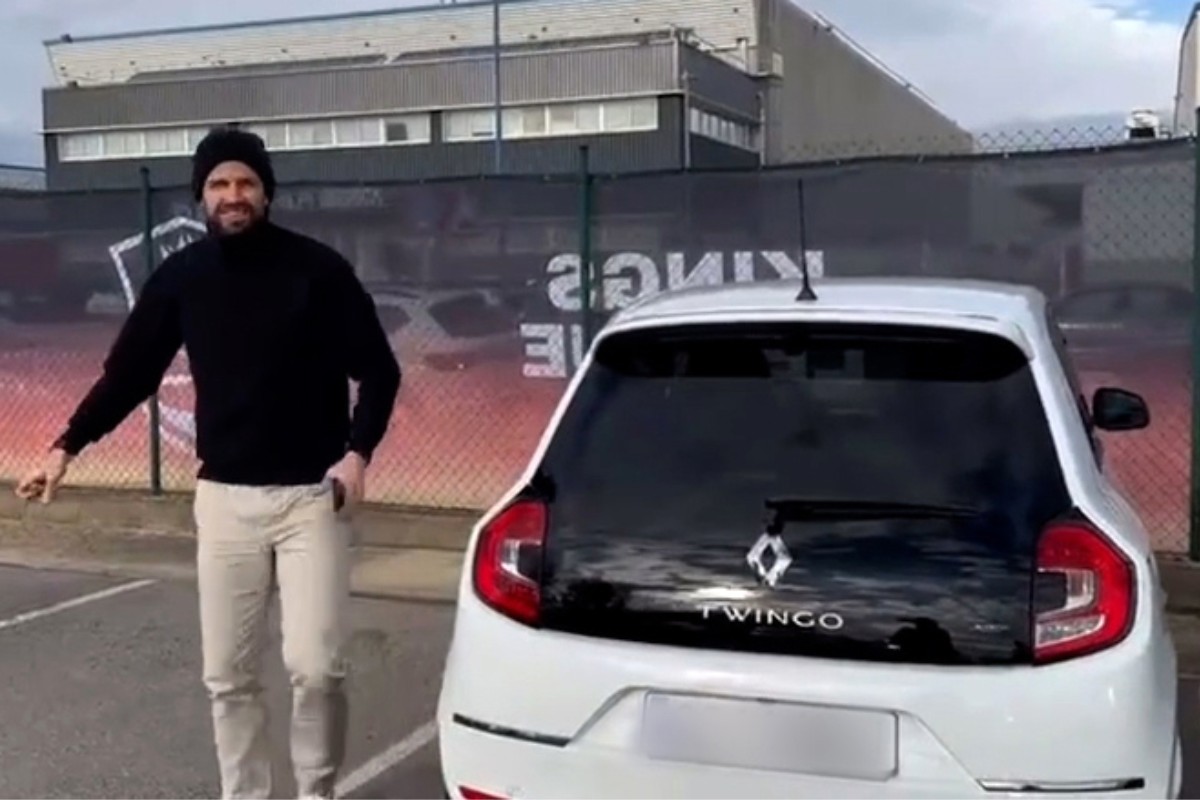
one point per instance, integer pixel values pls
(43, 482)
(350, 472)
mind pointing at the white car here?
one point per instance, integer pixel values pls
(853, 546)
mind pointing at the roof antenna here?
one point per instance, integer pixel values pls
(806, 293)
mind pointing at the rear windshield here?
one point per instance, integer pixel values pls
(692, 428)
(907, 471)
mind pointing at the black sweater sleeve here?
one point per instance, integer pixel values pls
(370, 362)
(135, 365)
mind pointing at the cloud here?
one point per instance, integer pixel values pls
(983, 61)
(992, 61)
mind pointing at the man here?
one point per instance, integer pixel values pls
(274, 324)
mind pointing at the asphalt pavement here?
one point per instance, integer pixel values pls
(100, 693)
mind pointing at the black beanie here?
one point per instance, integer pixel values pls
(231, 144)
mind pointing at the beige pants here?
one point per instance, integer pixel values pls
(252, 540)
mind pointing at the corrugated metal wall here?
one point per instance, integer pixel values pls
(733, 92)
(117, 58)
(834, 101)
(527, 77)
(710, 154)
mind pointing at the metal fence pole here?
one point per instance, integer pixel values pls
(498, 144)
(585, 245)
(1194, 494)
(148, 248)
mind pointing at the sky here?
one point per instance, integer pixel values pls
(985, 63)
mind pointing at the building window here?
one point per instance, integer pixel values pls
(722, 129)
(80, 146)
(273, 134)
(396, 131)
(306, 135)
(463, 126)
(645, 113)
(575, 119)
(123, 144)
(527, 121)
(195, 135)
(166, 142)
(412, 129)
(618, 116)
(558, 119)
(358, 132)
(631, 115)
(291, 135)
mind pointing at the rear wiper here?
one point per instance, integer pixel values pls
(788, 509)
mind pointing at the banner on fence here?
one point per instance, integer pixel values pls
(478, 286)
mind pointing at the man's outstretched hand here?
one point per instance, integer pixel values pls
(43, 482)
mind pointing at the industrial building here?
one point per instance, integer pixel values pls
(408, 94)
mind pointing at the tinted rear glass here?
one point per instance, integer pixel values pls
(702, 424)
(925, 454)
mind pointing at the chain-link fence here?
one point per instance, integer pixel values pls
(478, 285)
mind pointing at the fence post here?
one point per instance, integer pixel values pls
(148, 247)
(1194, 498)
(585, 245)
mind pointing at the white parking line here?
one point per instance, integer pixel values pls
(388, 759)
(30, 616)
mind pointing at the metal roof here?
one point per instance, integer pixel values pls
(116, 58)
(22, 178)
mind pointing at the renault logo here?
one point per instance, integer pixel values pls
(781, 559)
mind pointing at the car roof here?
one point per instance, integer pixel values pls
(1022, 306)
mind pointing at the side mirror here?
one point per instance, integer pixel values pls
(1119, 410)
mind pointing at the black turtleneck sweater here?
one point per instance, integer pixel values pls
(274, 323)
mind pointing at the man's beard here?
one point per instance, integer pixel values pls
(250, 219)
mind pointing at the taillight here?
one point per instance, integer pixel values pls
(507, 570)
(474, 794)
(1084, 593)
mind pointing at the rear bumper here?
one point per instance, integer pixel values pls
(501, 766)
(556, 715)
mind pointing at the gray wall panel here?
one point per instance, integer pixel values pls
(711, 154)
(727, 89)
(834, 101)
(529, 77)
